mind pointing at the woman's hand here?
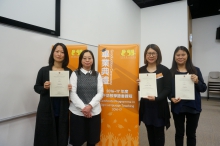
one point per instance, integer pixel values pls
(69, 87)
(138, 80)
(87, 111)
(47, 85)
(194, 78)
(175, 100)
(151, 98)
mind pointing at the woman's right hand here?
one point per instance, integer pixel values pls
(175, 100)
(47, 85)
(138, 80)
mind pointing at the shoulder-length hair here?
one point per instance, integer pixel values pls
(66, 56)
(80, 61)
(155, 48)
(189, 65)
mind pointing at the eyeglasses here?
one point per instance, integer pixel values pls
(153, 54)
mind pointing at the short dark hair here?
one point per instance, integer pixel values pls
(66, 56)
(80, 61)
(155, 48)
(189, 65)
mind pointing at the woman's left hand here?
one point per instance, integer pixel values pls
(151, 98)
(194, 78)
(69, 87)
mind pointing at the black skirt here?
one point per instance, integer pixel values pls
(84, 129)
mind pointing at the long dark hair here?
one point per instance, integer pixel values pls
(66, 56)
(155, 48)
(189, 65)
(80, 61)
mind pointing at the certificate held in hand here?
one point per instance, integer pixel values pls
(148, 85)
(184, 87)
(59, 81)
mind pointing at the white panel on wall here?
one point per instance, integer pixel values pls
(19, 132)
(205, 47)
(166, 26)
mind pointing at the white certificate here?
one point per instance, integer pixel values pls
(184, 87)
(59, 81)
(148, 85)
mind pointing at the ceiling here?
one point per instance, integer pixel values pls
(198, 8)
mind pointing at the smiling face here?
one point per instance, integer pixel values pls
(151, 56)
(58, 54)
(181, 57)
(87, 61)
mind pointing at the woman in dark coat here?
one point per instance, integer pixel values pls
(52, 121)
(186, 110)
(154, 111)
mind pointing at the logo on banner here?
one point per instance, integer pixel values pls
(107, 66)
(128, 54)
(76, 53)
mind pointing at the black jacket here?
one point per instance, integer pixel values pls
(45, 130)
(195, 104)
(163, 90)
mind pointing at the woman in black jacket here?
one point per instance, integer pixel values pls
(186, 110)
(154, 111)
(52, 121)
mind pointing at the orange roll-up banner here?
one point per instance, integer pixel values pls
(118, 65)
(74, 52)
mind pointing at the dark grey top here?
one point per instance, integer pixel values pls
(86, 86)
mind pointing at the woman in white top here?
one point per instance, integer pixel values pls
(86, 94)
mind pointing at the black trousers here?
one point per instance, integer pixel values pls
(191, 126)
(57, 127)
(156, 136)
